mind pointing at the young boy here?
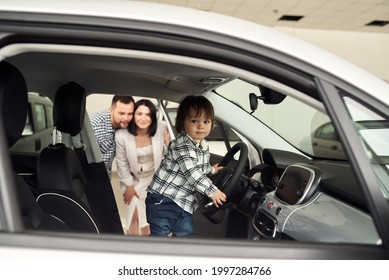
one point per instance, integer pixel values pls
(171, 201)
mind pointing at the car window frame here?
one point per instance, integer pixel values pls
(376, 203)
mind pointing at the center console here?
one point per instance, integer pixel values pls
(295, 188)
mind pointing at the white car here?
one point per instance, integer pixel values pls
(287, 200)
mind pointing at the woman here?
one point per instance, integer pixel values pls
(139, 151)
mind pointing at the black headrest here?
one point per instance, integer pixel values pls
(69, 108)
(13, 101)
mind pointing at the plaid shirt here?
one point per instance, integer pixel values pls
(183, 171)
(105, 134)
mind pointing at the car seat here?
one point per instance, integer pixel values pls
(13, 112)
(65, 185)
(61, 180)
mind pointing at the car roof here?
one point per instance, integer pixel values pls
(215, 24)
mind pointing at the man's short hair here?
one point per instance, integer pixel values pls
(126, 99)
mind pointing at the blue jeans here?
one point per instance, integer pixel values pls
(166, 217)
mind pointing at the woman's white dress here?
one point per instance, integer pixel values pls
(145, 175)
(136, 166)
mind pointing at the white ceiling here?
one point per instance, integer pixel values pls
(349, 15)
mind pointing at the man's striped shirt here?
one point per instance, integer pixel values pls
(105, 134)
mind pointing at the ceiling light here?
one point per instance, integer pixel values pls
(290, 18)
(378, 23)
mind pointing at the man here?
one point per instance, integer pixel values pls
(105, 124)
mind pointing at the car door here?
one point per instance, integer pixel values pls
(242, 53)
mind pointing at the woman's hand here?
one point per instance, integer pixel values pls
(129, 194)
(219, 198)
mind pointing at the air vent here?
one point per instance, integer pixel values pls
(265, 224)
(290, 18)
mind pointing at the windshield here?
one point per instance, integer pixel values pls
(302, 125)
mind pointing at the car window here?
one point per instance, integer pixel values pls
(303, 125)
(373, 131)
(49, 115)
(37, 132)
(327, 132)
(40, 114)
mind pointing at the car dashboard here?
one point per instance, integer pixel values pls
(300, 208)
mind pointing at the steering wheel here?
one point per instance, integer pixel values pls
(227, 179)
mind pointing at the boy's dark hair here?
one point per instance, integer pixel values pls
(199, 104)
(153, 115)
(126, 99)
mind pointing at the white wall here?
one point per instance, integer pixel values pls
(367, 50)
(98, 102)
